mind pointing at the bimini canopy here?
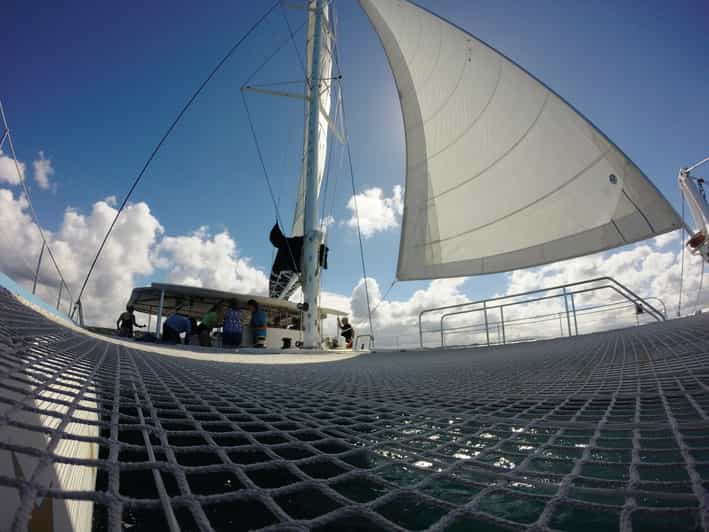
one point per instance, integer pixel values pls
(501, 172)
(194, 301)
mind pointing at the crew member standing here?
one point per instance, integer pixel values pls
(346, 331)
(126, 322)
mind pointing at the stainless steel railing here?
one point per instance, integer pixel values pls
(565, 291)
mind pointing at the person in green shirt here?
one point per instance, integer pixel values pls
(209, 322)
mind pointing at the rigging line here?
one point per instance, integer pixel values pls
(167, 134)
(266, 176)
(328, 169)
(701, 281)
(261, 159)
(295, 46)
(35, 218)
(281, 83)
(681, 274)
(383, 299)
(273, 249)
(356, 210)
(336, 57)
(278, 48)
(341, 154)
(333, 192)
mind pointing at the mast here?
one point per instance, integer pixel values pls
(311, 227)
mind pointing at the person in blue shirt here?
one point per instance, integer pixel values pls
(232, 330)
(173, 326)
(257, 324)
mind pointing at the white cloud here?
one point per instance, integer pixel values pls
(203, 259)
(651, 269)
(20, 242)
(43, 171)
(8, 172)
(396, 322)
(137, 247)
(126, 255)
(134, 249)
(668, 238)
(377, 212)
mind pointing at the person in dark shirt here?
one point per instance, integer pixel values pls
(346, 331)
(232, 331)
(126, 322)
(174, 325)
(257, 324)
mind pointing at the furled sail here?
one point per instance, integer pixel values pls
(501, 172)
(324, 84)
(285, 272)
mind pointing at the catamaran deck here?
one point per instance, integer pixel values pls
(607, 431)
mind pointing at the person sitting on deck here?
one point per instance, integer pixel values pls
(232, 326)
(174, 325)
(346, 331)
(209, 322)
(126, 322)
(257, 324)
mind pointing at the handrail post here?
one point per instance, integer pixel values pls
(487, 331)
(421, 329)
(502, 322)
(36, 273)
(443, 338)
(59, 297)
(158, 320)
(371, 341)
(566, 305)
(573, 310)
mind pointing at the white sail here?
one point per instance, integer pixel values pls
(501, 172)
(325, 85)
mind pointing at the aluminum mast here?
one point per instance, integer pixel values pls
(312, 234)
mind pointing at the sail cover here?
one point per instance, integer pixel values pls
(325, 104)
(501, 172)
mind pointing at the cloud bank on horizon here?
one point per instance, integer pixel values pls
(140, 246)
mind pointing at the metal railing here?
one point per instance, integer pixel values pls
(62, 288)
(361, 347)
(565, 291)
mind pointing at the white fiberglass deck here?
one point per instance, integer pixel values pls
(601, 432)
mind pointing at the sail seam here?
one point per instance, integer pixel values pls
(520, 209)
(639, 210)
(501, 157)
(471, 125)
(428, 78)
(440, 108)
(619, 231)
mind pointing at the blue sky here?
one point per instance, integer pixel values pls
(94, 85)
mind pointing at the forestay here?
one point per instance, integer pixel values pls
(501, 172)
(325, 87)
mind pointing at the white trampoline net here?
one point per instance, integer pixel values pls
(601, 432)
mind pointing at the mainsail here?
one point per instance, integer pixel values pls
(501, 172)
(285, 275)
